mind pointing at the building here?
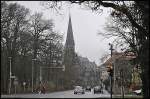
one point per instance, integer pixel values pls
(78, 70)
(103, 72)
(69, 56)
(88, 74)
(122, 71)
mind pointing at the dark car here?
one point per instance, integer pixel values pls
(88, 88)
(97, 89)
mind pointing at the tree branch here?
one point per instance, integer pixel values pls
(124, 11)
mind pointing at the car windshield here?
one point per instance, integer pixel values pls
(97, 87)
(78, 87)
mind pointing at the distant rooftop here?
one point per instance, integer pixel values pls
(120, 56)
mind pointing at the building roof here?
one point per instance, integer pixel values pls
(120, 56)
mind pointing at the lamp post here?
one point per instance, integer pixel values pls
(111, 71)
(40, 73)
(32, 72)
(10, 75)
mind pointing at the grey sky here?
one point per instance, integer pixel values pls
(86, 25)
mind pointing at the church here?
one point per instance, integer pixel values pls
(75, 66)
(69, 57)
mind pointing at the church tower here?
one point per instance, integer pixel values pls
(69, 55)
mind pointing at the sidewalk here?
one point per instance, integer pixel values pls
(127, 96)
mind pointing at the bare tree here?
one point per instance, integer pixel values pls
(13, 19)
(141, 26)
(38, 28)
(23, 38)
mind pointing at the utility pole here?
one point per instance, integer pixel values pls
(40, 73)
(10, 75)
(32, 75)
(111, 71)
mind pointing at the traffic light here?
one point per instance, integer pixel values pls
(110, 69)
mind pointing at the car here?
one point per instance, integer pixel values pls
(137, 92)
(88, 88)
(97, 89)
(79, 89)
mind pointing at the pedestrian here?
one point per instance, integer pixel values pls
(38, 90)
(43, 89)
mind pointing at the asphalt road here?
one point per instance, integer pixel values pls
(61, 94)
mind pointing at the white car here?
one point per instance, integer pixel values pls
(138, 92)
(79, 89)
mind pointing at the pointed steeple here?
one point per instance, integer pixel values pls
(69, 57)
(69, 39)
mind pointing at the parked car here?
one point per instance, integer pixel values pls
(88, 88)
(138, 92)
(98, 89)
(79, 89)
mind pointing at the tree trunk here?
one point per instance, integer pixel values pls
(145, 80)
(144, 60)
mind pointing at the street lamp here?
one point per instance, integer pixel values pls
(32, 72)
(111, 67)
(40, 73)
(111, 48)
(10, 75)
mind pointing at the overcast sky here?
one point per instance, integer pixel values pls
(85, 23)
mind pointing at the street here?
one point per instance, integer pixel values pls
(61, 94)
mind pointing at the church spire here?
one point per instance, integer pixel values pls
(69, 57)
(69, 39)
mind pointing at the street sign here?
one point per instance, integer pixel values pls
(15, 82)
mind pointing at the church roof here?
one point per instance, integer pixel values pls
(120, 56)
